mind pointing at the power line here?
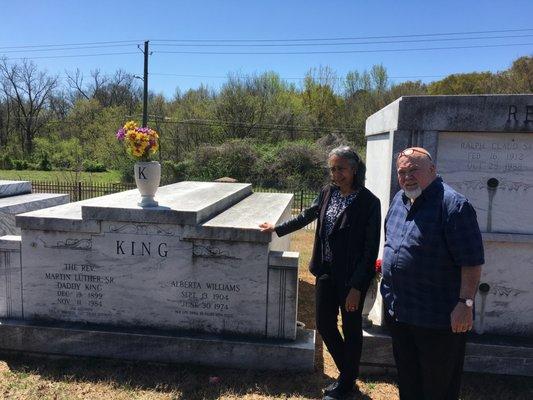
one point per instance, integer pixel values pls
(342, 43)
(73, 55)
(282, 40)
(71, 44)
(340, 51)
(71, 48)
(276, 52)
(346, 38)
(212, 122)
(31, 49)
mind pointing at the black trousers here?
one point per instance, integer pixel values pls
(346, 352)
(429, 361)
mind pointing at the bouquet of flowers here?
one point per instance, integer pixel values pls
(141, 143)
(377, 268)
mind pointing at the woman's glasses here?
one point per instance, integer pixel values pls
(336, 169)
(408, 152)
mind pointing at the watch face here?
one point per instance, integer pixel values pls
(469, 302)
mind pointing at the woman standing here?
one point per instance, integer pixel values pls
(344, 254)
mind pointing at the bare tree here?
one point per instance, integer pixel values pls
(29, 91)
(119, 90)
(75, 83)
(6, 125)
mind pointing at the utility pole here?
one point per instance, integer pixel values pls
(145, 81)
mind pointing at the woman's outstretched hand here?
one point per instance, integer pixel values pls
(266, 227)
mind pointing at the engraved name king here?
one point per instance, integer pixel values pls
(134, 248)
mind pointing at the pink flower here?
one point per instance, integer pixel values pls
(120, 134)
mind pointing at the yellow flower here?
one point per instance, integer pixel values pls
(130, 125)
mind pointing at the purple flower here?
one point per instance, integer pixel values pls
(120, 134)
(143, 130)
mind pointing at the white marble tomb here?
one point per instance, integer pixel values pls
(191, 264)
(192, 280)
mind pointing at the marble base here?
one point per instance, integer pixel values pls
(10, 283)
(486, 354)
(11, 206)
(222, 276)
(14, 188)
(159, 346)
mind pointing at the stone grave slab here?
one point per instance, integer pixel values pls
(17, 204)
(14, 188)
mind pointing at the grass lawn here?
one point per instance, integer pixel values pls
(61, 176)
(27, 377)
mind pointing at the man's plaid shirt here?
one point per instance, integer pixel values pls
(426, 244)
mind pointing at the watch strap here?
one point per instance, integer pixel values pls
(467, 302)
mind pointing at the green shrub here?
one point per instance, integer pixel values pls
(168, 172)
(125, 167)
(300, 165)
(235, 159)
(93, 166)
(44, 163)
(20, 164)
(33, 166)
(6, 162)
(182, 171)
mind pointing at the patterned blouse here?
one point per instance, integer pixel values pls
(337, 204)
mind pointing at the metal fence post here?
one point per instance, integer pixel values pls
(79, 190)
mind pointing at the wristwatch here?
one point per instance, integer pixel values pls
(466, 302)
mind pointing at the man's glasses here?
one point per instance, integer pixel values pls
(410, 151)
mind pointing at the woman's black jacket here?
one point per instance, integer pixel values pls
(354, 241)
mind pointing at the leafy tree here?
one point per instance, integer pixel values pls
(320, 101)
(472, 83)
(519, 78)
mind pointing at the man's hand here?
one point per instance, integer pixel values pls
(461, 318)
(352, 300)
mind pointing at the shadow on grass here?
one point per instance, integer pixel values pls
(181, 381)
(476, 386)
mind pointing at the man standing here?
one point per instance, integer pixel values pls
(431, 267)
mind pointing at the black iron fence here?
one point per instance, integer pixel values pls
(83, 190)
(80, 190)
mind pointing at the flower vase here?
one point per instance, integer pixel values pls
(147, 178)
(370, 299)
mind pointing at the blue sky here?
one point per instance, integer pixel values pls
(53, 22)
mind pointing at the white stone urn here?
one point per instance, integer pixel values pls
(370, 299)
(147, 178)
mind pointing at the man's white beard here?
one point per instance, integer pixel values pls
(413, 194)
